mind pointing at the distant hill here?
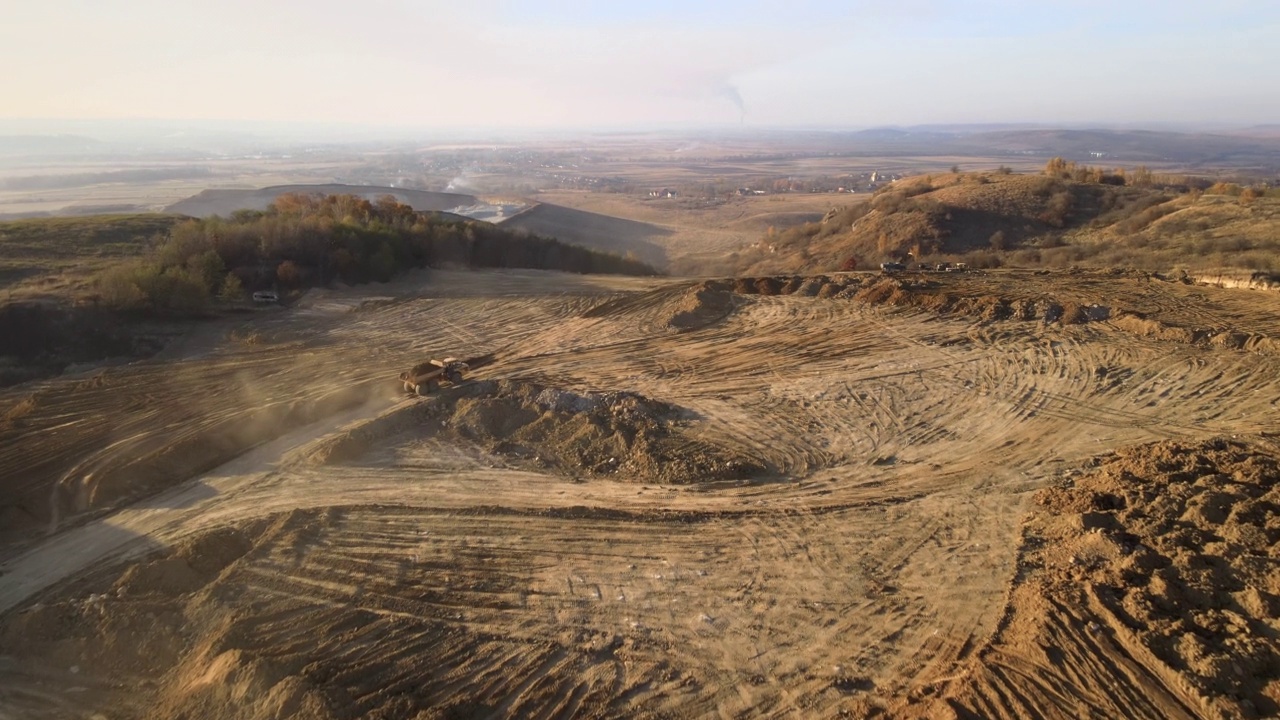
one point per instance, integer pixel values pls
(1271, 130)
(989, 220)
(1254, 147)
(33, 145)
(593, 230)
(224, 202)
(56, 181)
(1128, 145)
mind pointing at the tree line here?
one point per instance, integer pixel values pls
(305, 240)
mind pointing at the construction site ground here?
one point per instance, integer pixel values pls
(780, 497)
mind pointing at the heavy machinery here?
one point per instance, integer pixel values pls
(425, 378)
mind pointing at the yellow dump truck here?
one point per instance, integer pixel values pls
(425, 378)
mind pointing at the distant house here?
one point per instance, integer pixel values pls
(663, 193)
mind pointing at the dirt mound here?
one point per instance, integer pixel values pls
(127, 620)
(704, 304)
(819, 286)
(236, 683)
(613, 434)
(671, 308)
(1159, 565)
(927, 292)
(185, 568)
(166, 617)
(1146, 327)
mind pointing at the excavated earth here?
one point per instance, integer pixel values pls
(1005, 494)
(1154, 576)
(615, 434)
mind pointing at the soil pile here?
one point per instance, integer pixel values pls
(671, 308)
(923, 294)
(929, 294)
(1153, 578)
(167, 617)
(126, 622)
(704, 304)
(612, 434)
(186, 567)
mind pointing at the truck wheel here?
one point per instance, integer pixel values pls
(455, 377)
(409, 387)
(428, 387)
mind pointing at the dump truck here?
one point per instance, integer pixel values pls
(425, 378)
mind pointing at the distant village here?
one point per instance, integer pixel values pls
(517, 170)
(865, 182)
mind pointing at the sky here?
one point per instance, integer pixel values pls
(659, 63)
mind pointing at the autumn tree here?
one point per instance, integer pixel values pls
(1058, 208)
(289, 274)
(232, 289)
(208, 268)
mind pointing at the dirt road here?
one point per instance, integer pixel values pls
(446, 569)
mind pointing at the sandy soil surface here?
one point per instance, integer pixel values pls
(797, 497)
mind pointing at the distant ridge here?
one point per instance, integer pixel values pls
(1271, 130)
(36, 145)
(1249, 146)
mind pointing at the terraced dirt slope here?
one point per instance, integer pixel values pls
(593, 230)
(871, 559)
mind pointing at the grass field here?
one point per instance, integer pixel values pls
(58, 256)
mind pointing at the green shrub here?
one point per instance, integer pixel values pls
(232, 290)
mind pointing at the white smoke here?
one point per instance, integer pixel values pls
(729, 91)
(459, 183)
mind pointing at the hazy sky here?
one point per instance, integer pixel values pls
(489, 63)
